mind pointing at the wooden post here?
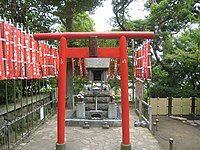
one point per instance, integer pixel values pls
(60, 145)
(124, 94)
(170, 106)
(193, 105)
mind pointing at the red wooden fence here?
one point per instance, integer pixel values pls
(21, 57)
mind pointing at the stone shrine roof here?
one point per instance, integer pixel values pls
(97, 62)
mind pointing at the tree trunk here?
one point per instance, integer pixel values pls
(68, 26)
(69, 17)
(70, 89)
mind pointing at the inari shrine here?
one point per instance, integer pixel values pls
(93, 52)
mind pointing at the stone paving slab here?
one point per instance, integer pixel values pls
(94, 138)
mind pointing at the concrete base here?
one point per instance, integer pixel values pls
(60, 146)
(105, 126)
(112, 110)
(125, 147)
(94, 123)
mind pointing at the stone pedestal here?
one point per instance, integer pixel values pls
(112, 110)
(60, 146)
(80, 110)
(125, 147)
(139, 89)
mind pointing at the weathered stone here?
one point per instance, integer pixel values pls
(190, 121)
(100, 106)
(96, 114)
(103, 113)
(112, 110)
(178, 118)
(80, 110)
(105, 125)
(125, 147)
(197, 122)
(60, 146)
(193, 124)
(86, 126)
(182, 119)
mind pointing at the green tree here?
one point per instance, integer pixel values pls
(120, 9)
(176, 72)
(42, 15)
(168, 18)
(66, 10)
(179, 73)
(82, 22)
(184, 58)
(32, 14)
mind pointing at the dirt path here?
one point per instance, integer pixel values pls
(186, 137)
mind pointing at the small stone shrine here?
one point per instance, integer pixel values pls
(95, 104)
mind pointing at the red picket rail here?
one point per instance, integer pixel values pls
(23, 57)
(142, 62)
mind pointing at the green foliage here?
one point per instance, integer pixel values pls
(82, 22)
(33, 14)
(120, 9)
(7, 88)
(11, 89)
(66, 11)
(168, 18)
(179, 74)
(42, 15)
(79, 84)
(114, 84)
(107, 43)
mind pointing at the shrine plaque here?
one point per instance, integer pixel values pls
(93, 46)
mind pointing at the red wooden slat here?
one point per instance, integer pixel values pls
(2, 69)
(82, 52)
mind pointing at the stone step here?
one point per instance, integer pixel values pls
(197, 122)
(178, 118)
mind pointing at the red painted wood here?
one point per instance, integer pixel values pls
(82, 52)
(100, 35)
(77, 52)
(2, 47)
(80, 67)
(62, 77)
(108, 52)
(124, 91)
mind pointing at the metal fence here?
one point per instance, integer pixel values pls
(28, 110)
(175, 106)
(144, 111)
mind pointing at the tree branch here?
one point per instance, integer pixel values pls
(119, 11)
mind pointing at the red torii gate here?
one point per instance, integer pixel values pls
(100, 52)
